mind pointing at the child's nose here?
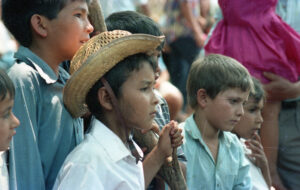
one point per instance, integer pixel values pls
(89, 27)
(240, 111)
(154, 99)
(15, 121)
(259, 119)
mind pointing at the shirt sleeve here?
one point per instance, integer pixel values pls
(25, 167)
(243, 179)
(77, 177)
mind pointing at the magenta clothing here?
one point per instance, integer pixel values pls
(252, 33)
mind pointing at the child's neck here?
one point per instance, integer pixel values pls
(207, 131)
(47, 56)
(209, 134)
(112, 123)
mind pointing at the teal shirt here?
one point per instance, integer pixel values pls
(47, 132)
(231, 171)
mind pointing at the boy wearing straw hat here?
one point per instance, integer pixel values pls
(114, 78)
(135, 22)
(49, 32)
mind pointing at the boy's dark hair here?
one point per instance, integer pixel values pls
(215, 74)
(133, 22)
(116, 77)
(6, 86)
(258, 92)
(16, 15)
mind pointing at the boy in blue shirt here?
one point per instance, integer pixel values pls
(217, 88)
(49, 32)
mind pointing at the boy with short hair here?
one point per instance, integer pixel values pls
(49, 31)
(217, 88)
(8, 123)
(135, 22)
(115, 79)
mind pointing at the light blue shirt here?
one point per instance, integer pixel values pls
(47, 132)
(231, 171)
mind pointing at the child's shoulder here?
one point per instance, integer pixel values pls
(232, 140)
(22, 72)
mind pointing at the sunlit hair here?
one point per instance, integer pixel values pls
(216, 73)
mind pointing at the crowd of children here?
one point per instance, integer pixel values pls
(225, 141)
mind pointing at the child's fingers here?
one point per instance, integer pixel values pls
(174, 129)
(177, 134)
(255, 147)
(257, 137)
(177, 142)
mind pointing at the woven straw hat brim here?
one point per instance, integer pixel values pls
(99, 64)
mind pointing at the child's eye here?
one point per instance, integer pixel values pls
(233, 101)
(144, 89)
(6, 115)
(252, 110)
(78, 15)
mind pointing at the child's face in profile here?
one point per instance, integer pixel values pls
(70, 29)
(226, 109)
(138, 101)
(8, 122)
(251, 122)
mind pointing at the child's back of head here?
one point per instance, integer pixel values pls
(133, 22)
(215, 74)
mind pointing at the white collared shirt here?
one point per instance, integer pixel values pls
(3, 171)
(101, 161)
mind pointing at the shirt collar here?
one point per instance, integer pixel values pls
(192, 129)
(26, 55)
(112, 144)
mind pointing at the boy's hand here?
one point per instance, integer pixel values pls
(175, 134)
(279, 88)
(170, 137)
(257, 152)
(164, 142)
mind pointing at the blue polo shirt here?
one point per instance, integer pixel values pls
(229, 172)
(47, 132)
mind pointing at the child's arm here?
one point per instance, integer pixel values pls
(170, 137)
(185, 9)
(260, 157)
(280, 89)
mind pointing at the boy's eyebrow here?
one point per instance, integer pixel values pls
(82, 9)
(148, 82)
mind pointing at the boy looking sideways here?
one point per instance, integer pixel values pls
(49, 31)
(217, 88)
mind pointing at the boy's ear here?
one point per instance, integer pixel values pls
(38, 24)
(202, 97)
(104, 99)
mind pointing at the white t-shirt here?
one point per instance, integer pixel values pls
(101, 161)
(258, 180)
(3, 171)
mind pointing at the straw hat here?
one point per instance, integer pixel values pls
(96, 57)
